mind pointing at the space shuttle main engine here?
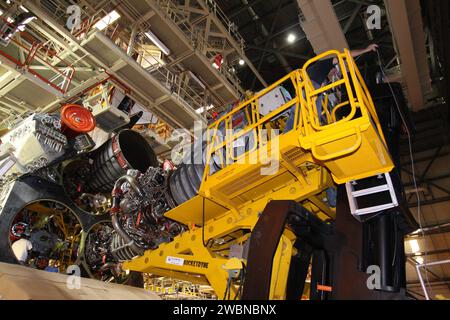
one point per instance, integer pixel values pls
(186, 180)
(139, 202)
(124, 151)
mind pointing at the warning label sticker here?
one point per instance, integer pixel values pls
(175, 261)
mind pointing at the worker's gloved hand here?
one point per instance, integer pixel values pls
(372, 47)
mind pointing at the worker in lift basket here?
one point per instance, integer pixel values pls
(319, 73)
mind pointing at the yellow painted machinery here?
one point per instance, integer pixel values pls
(254, 200)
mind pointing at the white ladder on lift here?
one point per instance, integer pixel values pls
(353, 196)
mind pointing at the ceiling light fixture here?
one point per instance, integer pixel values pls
(291, 38)
(200, 83)
(23, 19)
(202, 109)
(153, 38)
(107, 20)
(414, 244)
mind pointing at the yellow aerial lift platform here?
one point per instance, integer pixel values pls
(242, 204)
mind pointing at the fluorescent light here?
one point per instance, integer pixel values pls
(414, 244)
(1, 12)
(10, 20)
(241, 62)
(202, 109)
(24, 9)
(291, 38)
(107, 20)
(200, 83)
(157, 42)
(28, 20)
(5, 76)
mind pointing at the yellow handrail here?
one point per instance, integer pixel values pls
(306, 117)
(340, 153)
(336, 108)
(345, 80)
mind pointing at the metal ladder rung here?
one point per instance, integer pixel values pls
(375, 209)
(365, 192)
(352, 196)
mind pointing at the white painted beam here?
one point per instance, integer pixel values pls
(406, 23)
(321, 25)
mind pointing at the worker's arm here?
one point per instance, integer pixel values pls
(356, 53)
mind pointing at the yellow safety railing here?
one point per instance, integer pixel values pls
(359, 100)
(312, 94)
(255, 123)
(313, 135)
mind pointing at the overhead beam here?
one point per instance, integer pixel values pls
(283, 61)
(52, 23)
(78, 69)
(300, 36)
(262, 17)
(284, 53)
(424, 173)
(428, 253)
(442, 281)
(414, 263)
(428, 142)
(234, 44)
(430, 202)
(428, 180)
(321, 25)
(405, 19)
(424, 159)
(430, 230)
(352, 18)
(243, 8)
